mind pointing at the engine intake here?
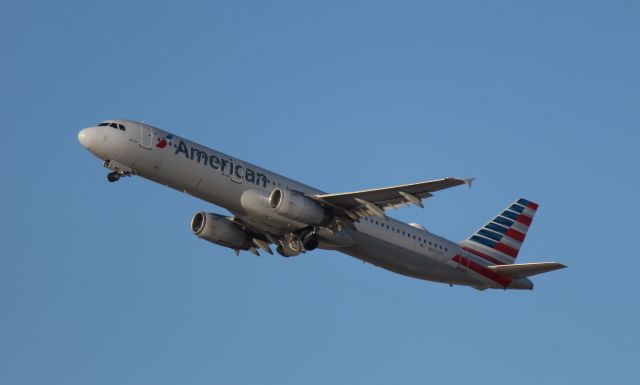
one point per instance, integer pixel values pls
(220, 230)
(297, 207)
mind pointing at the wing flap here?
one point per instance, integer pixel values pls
(523, 270)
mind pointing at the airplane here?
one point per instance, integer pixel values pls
(270, 209)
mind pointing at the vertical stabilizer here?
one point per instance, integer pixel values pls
(499, 241)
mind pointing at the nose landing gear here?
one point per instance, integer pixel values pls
(117, 169)
(113, 176)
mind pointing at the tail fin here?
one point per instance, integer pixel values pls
(499, 241)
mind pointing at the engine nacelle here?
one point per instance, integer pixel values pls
(219, 230)
(297, 207)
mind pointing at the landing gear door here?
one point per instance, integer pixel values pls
(146, 136)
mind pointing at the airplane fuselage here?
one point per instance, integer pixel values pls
(243, 189)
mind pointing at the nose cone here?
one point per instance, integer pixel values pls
(86, 136)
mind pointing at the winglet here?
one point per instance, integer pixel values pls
(468, 181)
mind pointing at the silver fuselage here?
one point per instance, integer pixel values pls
(224, 180)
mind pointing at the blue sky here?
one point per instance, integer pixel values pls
(104, 283)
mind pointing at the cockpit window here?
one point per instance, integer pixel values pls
(117, 126)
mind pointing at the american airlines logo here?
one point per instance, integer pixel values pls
(236, 171)
(162, 143)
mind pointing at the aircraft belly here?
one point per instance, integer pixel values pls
(404, 261)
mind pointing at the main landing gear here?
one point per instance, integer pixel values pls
(310, 240)
(298, 242)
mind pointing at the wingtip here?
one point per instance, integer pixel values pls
(469, 181)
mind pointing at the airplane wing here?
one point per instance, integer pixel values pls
(363, 203)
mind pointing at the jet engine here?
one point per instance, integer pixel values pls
(220, 230)
(297, 207)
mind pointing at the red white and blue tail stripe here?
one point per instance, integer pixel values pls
(499, 241)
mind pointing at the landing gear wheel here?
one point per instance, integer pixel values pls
(310, 242)
(113, 176)
(280, 251)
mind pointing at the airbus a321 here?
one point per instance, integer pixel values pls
(270, 209)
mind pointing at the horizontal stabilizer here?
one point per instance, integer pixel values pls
(522, 270)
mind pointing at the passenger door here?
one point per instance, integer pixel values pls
(146, 137)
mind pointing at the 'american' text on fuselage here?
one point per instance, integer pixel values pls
(222, 164)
